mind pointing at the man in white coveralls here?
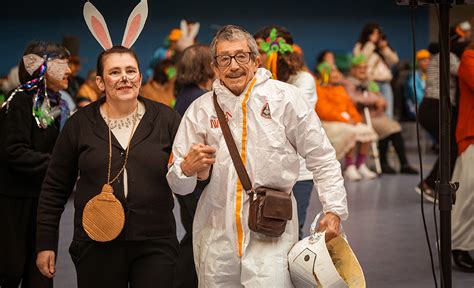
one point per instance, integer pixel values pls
(270, 123)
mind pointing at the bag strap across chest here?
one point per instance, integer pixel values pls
(234, 153)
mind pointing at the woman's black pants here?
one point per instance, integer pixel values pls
(118, 264)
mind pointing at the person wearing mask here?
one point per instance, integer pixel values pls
(26, 143)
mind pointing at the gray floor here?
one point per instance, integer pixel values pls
(385, 230)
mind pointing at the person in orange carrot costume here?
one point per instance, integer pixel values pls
(343, 123)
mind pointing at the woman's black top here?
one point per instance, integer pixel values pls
(25, 149)
(82, 150)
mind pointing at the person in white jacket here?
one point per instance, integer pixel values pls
(271, 124)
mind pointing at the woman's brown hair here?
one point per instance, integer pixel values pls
(194, 65)
(289, 64)
(113, 50)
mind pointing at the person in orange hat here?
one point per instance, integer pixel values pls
(419, 83)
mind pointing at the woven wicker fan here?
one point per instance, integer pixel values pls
(103, 217)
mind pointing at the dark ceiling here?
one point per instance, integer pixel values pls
(196, 9)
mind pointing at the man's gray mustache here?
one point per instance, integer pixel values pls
(235, 74)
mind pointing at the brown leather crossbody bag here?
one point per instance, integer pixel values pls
(270, 209)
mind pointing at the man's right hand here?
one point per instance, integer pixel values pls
(198, 160)
(45, 262)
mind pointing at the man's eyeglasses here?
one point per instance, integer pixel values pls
(240, 58)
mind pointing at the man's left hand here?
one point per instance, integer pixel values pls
(330, 223)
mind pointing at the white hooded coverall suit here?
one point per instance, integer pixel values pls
(270, 123)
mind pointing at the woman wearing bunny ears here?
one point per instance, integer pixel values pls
(124, 227)
(30, 122)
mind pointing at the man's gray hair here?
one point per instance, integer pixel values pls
(232, 33)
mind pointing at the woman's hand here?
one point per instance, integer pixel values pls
(198, 160)
(45, 263)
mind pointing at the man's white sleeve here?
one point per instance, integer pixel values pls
(304, 131)
(186, 136)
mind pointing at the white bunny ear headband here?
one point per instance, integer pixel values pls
(96, 23)
(187, 34)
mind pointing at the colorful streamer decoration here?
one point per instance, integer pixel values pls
(273, 46)
(42, 112)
